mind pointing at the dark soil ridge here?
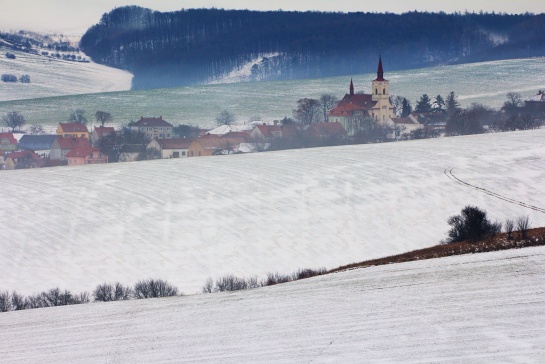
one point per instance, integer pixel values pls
(534, 237)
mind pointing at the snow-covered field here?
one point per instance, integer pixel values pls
(56, 77)
(486, 83)
(184, 220)
(484, 308)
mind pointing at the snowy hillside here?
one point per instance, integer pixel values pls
(184, 220)
(484, 308)
(486, 82)
(57, 77)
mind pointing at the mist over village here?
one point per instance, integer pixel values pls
(240, 183)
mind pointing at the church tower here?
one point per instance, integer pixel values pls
(380, 86)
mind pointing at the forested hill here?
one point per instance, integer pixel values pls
(197, 46)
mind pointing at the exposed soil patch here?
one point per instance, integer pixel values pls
(534, 237)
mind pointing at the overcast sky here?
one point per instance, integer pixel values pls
(75, 16)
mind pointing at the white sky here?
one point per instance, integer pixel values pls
(75, 16)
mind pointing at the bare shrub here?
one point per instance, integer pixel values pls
(18, 301)
(5, 301)
(276, 278)
(103, 293)
(230, 283)
(122, 292)
(509, 227)
(307, 273)
(523, 224)
(208, 286)
(252, 282)
(151, 288)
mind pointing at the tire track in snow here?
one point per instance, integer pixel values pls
(451, 176)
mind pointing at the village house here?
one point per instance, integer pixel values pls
(72, 130)
(100, 132)
(41, 144)
(224, 129)
(171, 148)
(401, 126)
(61, 146)
(7, 142)
(22, 159)
(153, 128)
(86, 155)
(214, 145)
(536, 103)
(266, 132)
(327, 130)
(375, 105)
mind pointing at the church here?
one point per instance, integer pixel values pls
(355, 105)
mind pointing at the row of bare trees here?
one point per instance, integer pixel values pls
(230, 282)
(149, 288)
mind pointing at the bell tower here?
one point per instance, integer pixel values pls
(379, 87)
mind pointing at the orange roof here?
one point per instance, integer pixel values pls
(24, 153)
(81, 152)
(71, 143)
(174, 143)
(73, 128)
(8, 136)
(102, 131)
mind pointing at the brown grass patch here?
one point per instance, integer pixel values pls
(535, 237)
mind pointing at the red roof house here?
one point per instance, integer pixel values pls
(8, 142)
(61, 146)
(86, 155)
(73, 130)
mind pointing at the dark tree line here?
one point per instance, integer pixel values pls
(196, 45)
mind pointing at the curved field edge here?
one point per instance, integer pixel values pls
(481, 308)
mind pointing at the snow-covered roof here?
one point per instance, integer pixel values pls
(224, 129)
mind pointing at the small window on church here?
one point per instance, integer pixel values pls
(376, 91)
(384, 91)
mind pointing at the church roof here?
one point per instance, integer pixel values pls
(380, 71)
(351, 103)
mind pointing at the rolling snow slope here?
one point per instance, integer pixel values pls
(56, 77)
(486, 82)
(484, 308)
(187, 219)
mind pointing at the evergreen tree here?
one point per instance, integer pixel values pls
(406, 108)
(424, 104)
(439, 104)
(452, 104)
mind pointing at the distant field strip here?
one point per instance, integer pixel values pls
(450, 175)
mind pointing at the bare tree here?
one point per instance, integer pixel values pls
(307, 111)
(230, 283)
(36, 129)
(103, 117)
(225, 118)
(122, 292)
(509, 226)
(5, 301)
(328, 102)
(13, 120)
(514, 101)
(523, 224)
(18, 301)
(103, 293)
(208, 286)
(77, 117)
(154, 288)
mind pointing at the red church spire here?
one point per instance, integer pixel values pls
(380, 72)
(351, 87)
